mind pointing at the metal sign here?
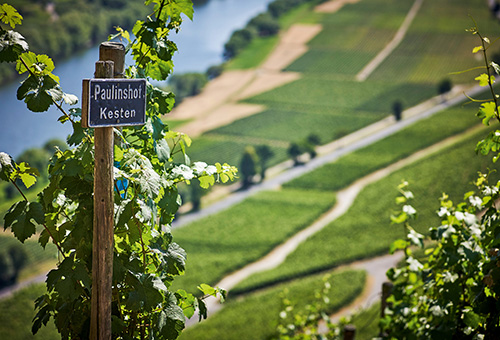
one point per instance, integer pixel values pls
(116, 102)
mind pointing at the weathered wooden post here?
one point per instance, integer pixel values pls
(102, 251)
(349, 332)
(386, 292)
(106, 103)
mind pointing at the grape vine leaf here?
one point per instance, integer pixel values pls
(19, 219)
(39, 93)
(10, 16)
(12, 45)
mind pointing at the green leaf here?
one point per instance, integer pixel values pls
(207, 289)
(162, 150)
(27, 174)
(177, 8)
(169, 203)
(176, 259)
(399, 218)
(477, 49)
(171, 320)
(206, 181)
(78, 134)
(39, 92)
(19, 217)
(187, 302)
(12, 45)
(397, 245)
(164, 100)
(484, 80)
(471, 319)
(145, 294)
(487, 111)
(159, 69)
(10, 16)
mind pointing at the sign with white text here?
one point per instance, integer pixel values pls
(116, 102)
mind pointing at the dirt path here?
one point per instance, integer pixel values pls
(293, 44)
(333, 6)
(217, 104)
(389, 48)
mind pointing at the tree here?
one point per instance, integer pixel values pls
(294, 151)
(214, 71)
(264, 153)
(248, 166)
(187, 85)
(238, 41)
(313, 139)
(397, 110)
(265, 24)
(12, 261)
(146, 259)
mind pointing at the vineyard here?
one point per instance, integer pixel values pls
(328, 101)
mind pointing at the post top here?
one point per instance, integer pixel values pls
(111, 45)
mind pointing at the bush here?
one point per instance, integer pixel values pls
(249, 166)
(12, 260)
(397, 110)
(238, 41)
(187, 84)
(444, 86)
(214, 71)
(265, 24)
(294, 151)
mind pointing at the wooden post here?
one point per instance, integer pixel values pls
(111, 61)
(386, 292)
(349, 332)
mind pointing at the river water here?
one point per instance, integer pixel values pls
(200, 43)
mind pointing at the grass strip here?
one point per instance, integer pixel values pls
(16, 313)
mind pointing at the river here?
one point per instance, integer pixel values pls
(200, 43)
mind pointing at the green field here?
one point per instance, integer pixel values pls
(365, 230)
(16, 313)
(337, 175)
(257, 316)
(437, 44)
(219, 244)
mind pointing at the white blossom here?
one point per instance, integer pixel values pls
(459, 215)
(183, 171)
(210, 170)
(476, 201)
(409, 210)
(488, 191)
(469, 218)
(443, 212)
(199, 168)
(408, 195)
(5, 159)
(414, 265)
